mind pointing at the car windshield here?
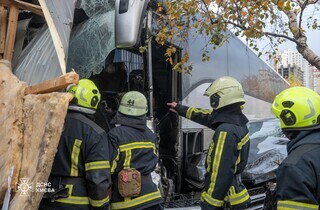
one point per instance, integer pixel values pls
(265, 128)
(266, 136)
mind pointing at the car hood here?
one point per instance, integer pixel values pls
(266, 154)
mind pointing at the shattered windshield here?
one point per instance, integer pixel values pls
(90, 44)
(93, 39)
(95, 7)
(85, 29)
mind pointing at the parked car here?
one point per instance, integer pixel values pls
(267, 151)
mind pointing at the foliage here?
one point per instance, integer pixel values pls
(276, 20)
(293, 81)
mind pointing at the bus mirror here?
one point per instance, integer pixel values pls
(129, 15)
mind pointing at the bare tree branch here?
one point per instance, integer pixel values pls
(239, 19)
(207, 8)
(242, 27)
(302, 10)
(281, 36)
(300, 3)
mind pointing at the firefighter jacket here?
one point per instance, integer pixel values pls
(82, 165)
(298, 176)
(136, 148)
(227, 155)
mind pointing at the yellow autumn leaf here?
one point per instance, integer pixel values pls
(280, 4)
(219, 2)
(142, 49)
(287, 6)
(169, 53)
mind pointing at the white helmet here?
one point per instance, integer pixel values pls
(133, 103)
(224, 91)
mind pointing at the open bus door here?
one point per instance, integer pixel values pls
(127, 69)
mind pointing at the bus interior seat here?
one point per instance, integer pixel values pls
(136, 81)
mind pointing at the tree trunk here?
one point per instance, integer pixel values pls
(301, 39)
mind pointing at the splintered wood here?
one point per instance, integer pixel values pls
(11, 32)
(3, 29)
(8, 34)
(54, 84)
(30, 129)
(23, 5)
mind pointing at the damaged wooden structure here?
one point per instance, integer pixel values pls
(9, 11)
(31, 125)
(31, 117)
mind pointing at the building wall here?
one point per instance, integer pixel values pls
(316, 79)
(292, 57)
(285, 72)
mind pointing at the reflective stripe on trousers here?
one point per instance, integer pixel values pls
(82, 200)
(131, 202)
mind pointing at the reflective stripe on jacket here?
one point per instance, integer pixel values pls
(136, 149)
(83, 152)
(227, 156)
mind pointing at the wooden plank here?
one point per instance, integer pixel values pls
(53, 85)
(11, 33)
(23, 5)
(6, 3)
(31, 7)
(55, 36)
(3, 28)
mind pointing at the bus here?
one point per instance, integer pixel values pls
(104, 46)
(182, 143)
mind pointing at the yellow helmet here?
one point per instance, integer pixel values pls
(133, 103)
(298, 108)
(224, 91)
(86, 94)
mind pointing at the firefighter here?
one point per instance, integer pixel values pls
(80, 173)
(133, 187)
(298, 176)
(229, 149)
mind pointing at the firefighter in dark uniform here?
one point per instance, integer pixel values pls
(80, 174)
(229, 149)
(133, 187)
(298, 176)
